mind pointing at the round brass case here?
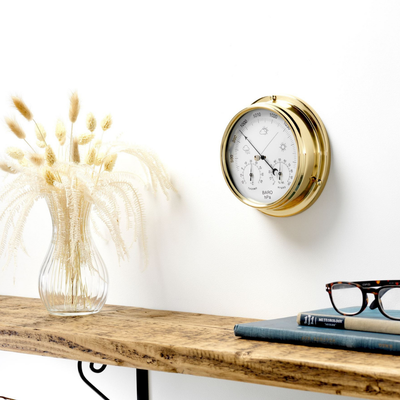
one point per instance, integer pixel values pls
(313, 155)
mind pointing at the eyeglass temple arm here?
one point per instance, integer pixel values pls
(378, 283)
(368, 283)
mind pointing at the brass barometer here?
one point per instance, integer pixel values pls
(275, 155)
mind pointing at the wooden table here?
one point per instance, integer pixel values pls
(194, 344)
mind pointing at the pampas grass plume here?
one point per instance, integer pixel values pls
(85, 138)
(15, 128)
(91, 122)
(49, 156)
(75, 151)
(106, 122)
(36, 159)
(15, 153)
(74, 107)
(109, 162)
(22, 107)
(61, 132)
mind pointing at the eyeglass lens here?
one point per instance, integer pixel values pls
(347, 298)
(390, 301)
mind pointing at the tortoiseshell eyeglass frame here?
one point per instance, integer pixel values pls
(377, 288)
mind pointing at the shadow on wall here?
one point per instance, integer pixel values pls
(313, 226)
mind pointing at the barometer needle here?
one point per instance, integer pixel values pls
(261, 156)
(270, 142)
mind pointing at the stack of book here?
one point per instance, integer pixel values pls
(368, 331)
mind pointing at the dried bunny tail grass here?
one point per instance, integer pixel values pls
(85, 138)
(15, 153)
(15, 128)
(36, 159)
(106, 122)
(23, 162)
(22, 107)
(61, 132)
(75, 151)
(109, 162)
(40, 132)
(74, 107)
(49, 176)
(5, 167)
(97, 143)
(49, 156)
(91, 156)
(99, 159)
(40, 144)
(91, 122)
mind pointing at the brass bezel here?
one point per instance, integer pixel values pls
(313, 155)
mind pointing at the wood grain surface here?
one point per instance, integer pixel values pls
(195, 344)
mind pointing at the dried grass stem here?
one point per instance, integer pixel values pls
(43, 139)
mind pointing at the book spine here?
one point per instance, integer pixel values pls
(321, 321)
(322, 338)
(350, 323)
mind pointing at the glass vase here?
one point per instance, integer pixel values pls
(73, 279)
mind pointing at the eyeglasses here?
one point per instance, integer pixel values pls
(350, 298)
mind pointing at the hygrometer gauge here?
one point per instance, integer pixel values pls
(275, 155)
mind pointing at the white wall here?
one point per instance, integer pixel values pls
(173, 74)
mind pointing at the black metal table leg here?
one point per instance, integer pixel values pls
(142, 384)
(142, 381)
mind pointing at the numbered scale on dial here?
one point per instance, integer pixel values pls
(275, 155)
(262, 156)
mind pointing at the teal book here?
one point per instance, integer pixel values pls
(287, 330)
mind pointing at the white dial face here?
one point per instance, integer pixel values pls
(262, 156)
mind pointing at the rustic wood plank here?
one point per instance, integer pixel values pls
(195, 344)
